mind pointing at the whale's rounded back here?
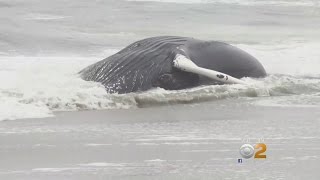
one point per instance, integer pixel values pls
(138, 66)
(225, 58)
(148, 63)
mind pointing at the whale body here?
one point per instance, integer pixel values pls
(156, 62)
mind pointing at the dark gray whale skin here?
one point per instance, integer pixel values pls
(148, 63)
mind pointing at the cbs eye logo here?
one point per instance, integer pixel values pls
(247, 151)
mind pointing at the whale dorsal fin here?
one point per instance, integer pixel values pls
(183, 63)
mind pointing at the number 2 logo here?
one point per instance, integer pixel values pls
(247, 151)
(262, 148)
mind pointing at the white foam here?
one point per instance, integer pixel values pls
(102, 164)
(53, 170)
(155, 160)
(35, 87)
(44, 17)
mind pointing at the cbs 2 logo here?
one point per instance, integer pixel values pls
(247, 151)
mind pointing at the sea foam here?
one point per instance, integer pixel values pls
(35, 87)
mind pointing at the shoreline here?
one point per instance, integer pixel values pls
(192, 141)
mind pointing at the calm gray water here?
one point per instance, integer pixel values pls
(83, 27)
(159, 134)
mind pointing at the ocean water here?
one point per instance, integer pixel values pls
(187, 134)
(43, 44)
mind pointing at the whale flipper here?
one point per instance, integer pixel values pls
(184, 64)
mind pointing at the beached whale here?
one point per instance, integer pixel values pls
(173, 63)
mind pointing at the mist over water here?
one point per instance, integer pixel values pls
(43, 44)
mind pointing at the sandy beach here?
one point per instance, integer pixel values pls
(198, 141)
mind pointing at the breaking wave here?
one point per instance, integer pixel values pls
(73, 94)
(34, 87)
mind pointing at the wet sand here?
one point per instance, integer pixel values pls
(198, 141)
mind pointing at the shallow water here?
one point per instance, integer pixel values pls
(45, 43)
(198, 141)
(38, 86)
